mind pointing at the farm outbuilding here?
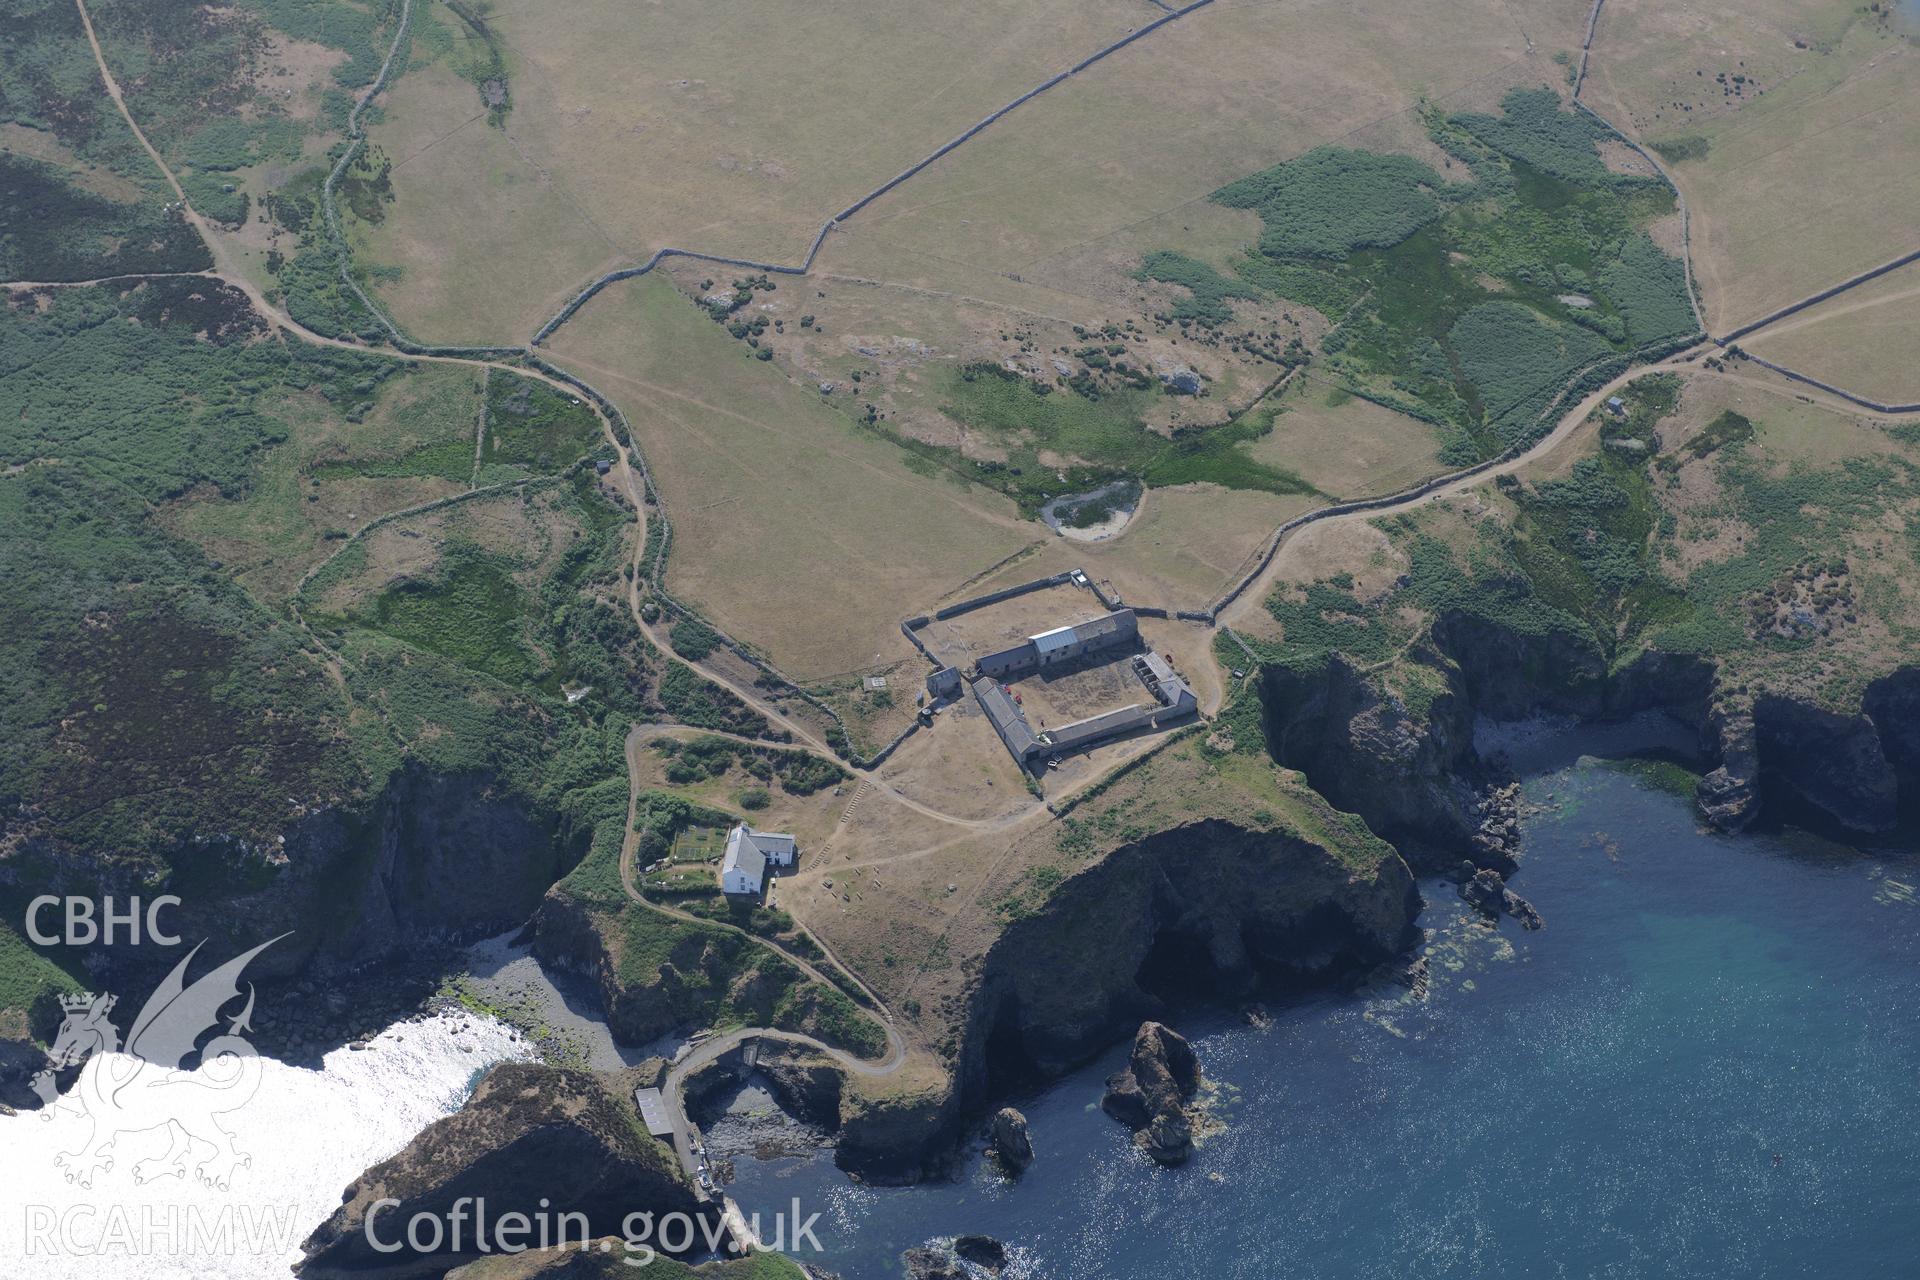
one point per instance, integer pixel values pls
(1061, 644)
(1008, 720)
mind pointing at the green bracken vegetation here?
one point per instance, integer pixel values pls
(1332, 202)
(155, 707)
(1592, 558)
(703, 974)
(1470, 304)
(800, 773)
(1031, 417)
(533, 427)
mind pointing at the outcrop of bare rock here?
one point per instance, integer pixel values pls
(982, 1251)
(534, 1140)
(1486, 891)
(1010, 1141)
(1729, 796)
(1834, 762)
(932, 1264)
(1151, 1095)
(943, 1262)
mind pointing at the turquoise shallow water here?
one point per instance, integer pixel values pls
(1603, 1098)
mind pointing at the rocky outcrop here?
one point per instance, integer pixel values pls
(1416, 779)
(1205, 910)
(1010, 1142)
(943, 1262)
(1211, 909)
(21, 1058)
(1893, 703)
(434, 858)
(534, 1140)
(1834, 762)
(1151, 1095)
(608, 1258)
(1729, 795)
(1409, 773)
(981, 1251)
(1485, 890)
(807, 1085)
(925, 1263)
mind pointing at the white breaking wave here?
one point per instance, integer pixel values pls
(308, 1133)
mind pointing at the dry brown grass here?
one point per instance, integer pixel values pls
(1863, 341)
(676, 123)
(1345, 446)
(485, 242)
(1145, 135)
(1807, 179)
(796, 529)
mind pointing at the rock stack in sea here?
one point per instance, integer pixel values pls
(1151, 1095)
(1010, 1141)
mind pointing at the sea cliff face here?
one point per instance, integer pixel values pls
(435, 858)
(1417, 780)
(533, 1140)
(1207, 910)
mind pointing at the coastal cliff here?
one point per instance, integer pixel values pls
(1207, 910)
(1414, 775)
(534, 1140)
(433, 858)
(1251, 882)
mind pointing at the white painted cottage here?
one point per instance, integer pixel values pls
(749, 854)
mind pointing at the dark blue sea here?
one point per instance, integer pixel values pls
(1706, 1065)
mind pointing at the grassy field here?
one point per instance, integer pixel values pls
(794, 528)
(393, 442)
(78, 198)
(1786, 169)
(1346, 446)
(629, 130)
(719, 978)
(1862, 341)
(1468, 300)
(523, 249)
(489, 584)
(401, 442)
(244, 102)
(1139, 134)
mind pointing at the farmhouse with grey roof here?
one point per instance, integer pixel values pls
(749, 853)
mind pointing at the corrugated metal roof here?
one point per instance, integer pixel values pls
(1058, 638)
(1119, 622)
(653, 1112)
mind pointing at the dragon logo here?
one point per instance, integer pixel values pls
(143, 1088)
